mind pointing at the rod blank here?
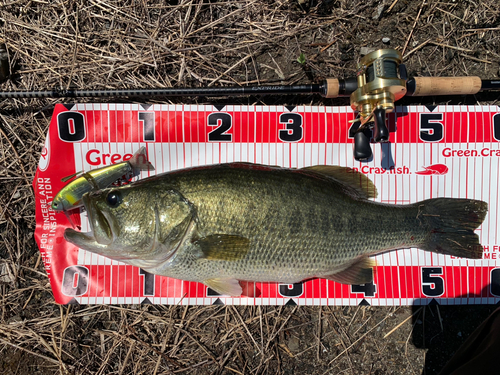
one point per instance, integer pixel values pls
(330, 88)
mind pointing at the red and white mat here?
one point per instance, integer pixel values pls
(444, 151)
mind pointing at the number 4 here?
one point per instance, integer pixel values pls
(368, 289)
(496, 126)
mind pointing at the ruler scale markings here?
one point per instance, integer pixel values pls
(496, 183)
(189, 147)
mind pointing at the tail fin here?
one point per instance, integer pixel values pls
(139, 161)
(452, 222)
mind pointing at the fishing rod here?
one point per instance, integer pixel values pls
(381, 79)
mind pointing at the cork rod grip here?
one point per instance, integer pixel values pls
(332, 88)
(429, 86)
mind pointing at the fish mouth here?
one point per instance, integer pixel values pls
(86, 241)
(80, 239)
(100, 236)
(100, 229)
(99, 225)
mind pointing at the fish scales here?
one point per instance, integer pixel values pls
(296, 226)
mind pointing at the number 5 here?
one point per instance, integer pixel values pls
(430, 129)
(432, 283)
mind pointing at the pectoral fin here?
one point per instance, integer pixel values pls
(223, 247)
(230, 287)
(360, 272)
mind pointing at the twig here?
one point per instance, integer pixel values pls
(413, 28)
(400, 324)
(475, 59)
(129, 352)
(392, 6)
(328, 45)
(246, 328)
(51, 360)
(319, 334)
(416, 48)
(228, 70)
(448, 46)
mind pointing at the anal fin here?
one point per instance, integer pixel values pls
(230, 287)
(360, 272)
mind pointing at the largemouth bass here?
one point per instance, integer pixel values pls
(227, 223)
(70, 196)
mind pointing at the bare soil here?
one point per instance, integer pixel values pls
(197, 43)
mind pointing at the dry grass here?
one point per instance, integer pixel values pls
(195, 43)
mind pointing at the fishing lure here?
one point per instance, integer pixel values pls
(70, 196)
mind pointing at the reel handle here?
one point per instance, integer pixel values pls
(362, 149)
(380, 131)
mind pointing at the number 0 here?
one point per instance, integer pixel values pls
(71, 126)
(75, 281)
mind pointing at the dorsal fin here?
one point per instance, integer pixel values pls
(348, 176)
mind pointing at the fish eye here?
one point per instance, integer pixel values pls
(113, 199)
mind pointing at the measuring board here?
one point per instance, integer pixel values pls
(443, 151)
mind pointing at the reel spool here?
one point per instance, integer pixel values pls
(381, 80)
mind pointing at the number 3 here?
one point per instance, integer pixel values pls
(293, 131)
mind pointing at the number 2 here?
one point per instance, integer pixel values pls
(223, 121)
